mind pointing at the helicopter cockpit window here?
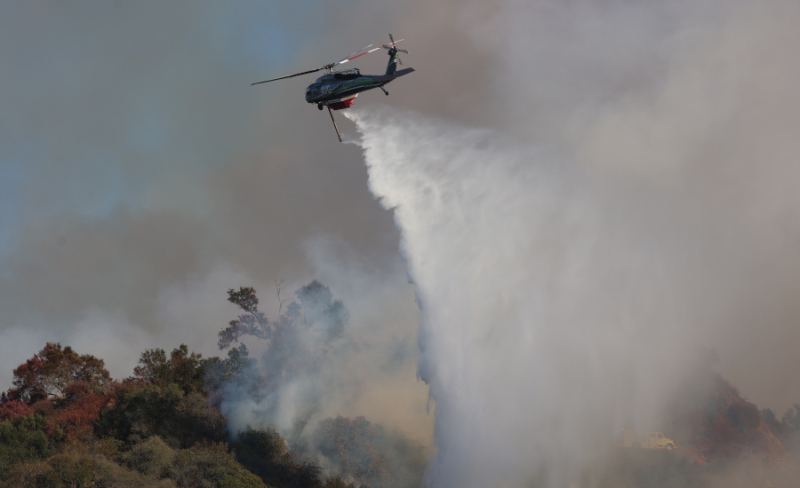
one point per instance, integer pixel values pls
(348, 74)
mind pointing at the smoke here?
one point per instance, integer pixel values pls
(564, 280)
(366, 369)
(529, 365)
(566, 284)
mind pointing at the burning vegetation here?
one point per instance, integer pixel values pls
(66, 423)
(722, 440)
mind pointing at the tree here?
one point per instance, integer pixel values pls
(53, 370)
(210, 464)
(22, 439)
(252, 322)
(265, 453)
(12, 409)
(237, 370)
(313, 306)
(744, 416)
(185, 369)
(791, 422)
(152, 457)
(353, 445)
(776, 426)
(75, 413)
(180, 419)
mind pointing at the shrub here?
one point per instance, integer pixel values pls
(22, 439)
(141, 412)
(152, 457)
(210, 465)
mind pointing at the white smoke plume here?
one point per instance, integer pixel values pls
(564, 292)
(537, 308)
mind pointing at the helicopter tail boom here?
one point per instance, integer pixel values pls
(390, 76)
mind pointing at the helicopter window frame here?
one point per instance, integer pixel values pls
(343, 76)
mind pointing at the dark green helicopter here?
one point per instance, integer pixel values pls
(338, 90)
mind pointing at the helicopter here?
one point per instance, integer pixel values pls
(337, 90)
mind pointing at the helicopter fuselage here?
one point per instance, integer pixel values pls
(339, 89)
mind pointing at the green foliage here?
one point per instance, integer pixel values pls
(21, 440)
(85, 435)
(141, 412)
(352, 444)
(251, 322)
(59, 471)
(148, 463)
(313, 307)
(370, 454)
(112, 475)
(69, 471)
(210, 465)
(237, 371)
(265, 453)
(152, 457)
(182, 368)
(66, 470)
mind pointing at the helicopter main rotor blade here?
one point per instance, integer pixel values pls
(357, 54)
(353, 56)
(389, 46)
(290, 76)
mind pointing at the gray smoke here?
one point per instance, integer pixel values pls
(141, 177)
(565, 284)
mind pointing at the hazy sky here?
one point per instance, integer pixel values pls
(141, 175)
(138, 164)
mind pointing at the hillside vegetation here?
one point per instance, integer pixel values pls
(66, 423)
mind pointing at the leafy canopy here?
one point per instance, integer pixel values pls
(53, 370)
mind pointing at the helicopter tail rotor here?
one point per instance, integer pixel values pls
(393, 45)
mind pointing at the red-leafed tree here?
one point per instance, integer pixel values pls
(53, 370)
(75, 413)
(12, 409)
